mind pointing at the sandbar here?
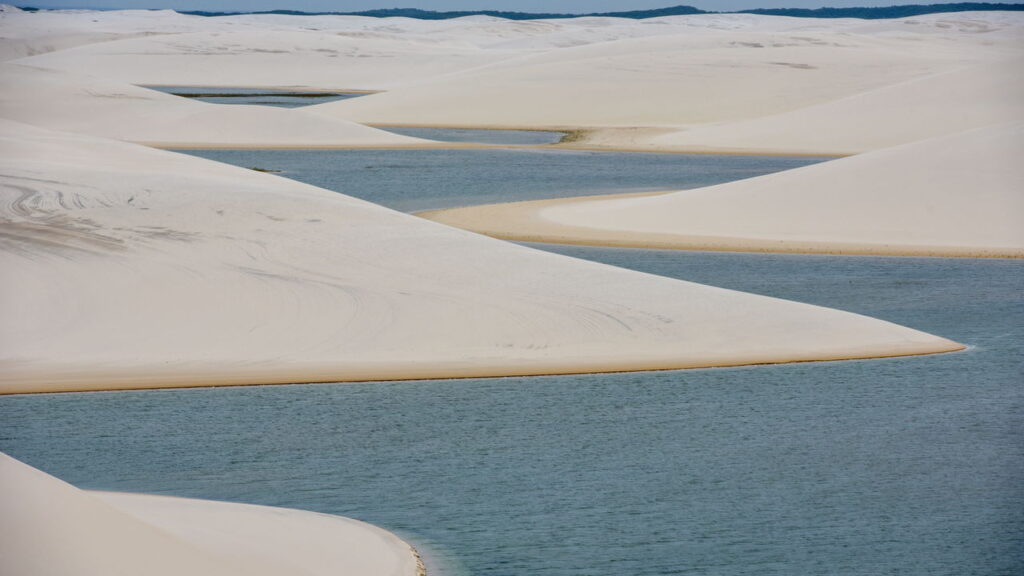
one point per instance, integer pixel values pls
(953, 196)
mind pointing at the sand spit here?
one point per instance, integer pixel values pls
(957, 195)
(50, 527)
(128, 267)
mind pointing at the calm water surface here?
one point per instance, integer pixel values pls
(900, 466)
(411, 180)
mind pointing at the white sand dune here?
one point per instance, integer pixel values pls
(328, 52)
(50, 527)
(974, 96)
(127, 267)
(709, 72)
(67, 101)
(708, 83)
(960, 195)
(332, 52)
(658, 81)
(32, 33)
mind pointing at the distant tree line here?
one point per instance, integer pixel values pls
(885, 11)
(431, 15)
(866, 13)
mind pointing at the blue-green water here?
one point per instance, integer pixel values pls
(411, 180)
(902, 466)
(899, 466)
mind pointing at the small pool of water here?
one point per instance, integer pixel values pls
(259, 96)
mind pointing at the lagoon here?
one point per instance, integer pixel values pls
(413, 180)
(897, 466)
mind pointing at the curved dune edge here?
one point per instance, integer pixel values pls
(521, 222)
(129, 267)
(915, 109)
(48, 526)
(21, 380)
(74, 102)
(954, 196)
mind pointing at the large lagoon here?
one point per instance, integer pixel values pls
(897, 466)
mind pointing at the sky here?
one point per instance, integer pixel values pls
(567, 6)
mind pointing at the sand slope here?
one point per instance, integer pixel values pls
(132, 267)
(733, 82)
(318, 52)
(49, 527)
(32, 33)
(725, 69)
(973, 96)
(666, 80)
(960, 195)
(67, 101)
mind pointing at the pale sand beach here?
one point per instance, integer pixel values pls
(48, 526)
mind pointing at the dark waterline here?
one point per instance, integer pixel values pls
(900, 466)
